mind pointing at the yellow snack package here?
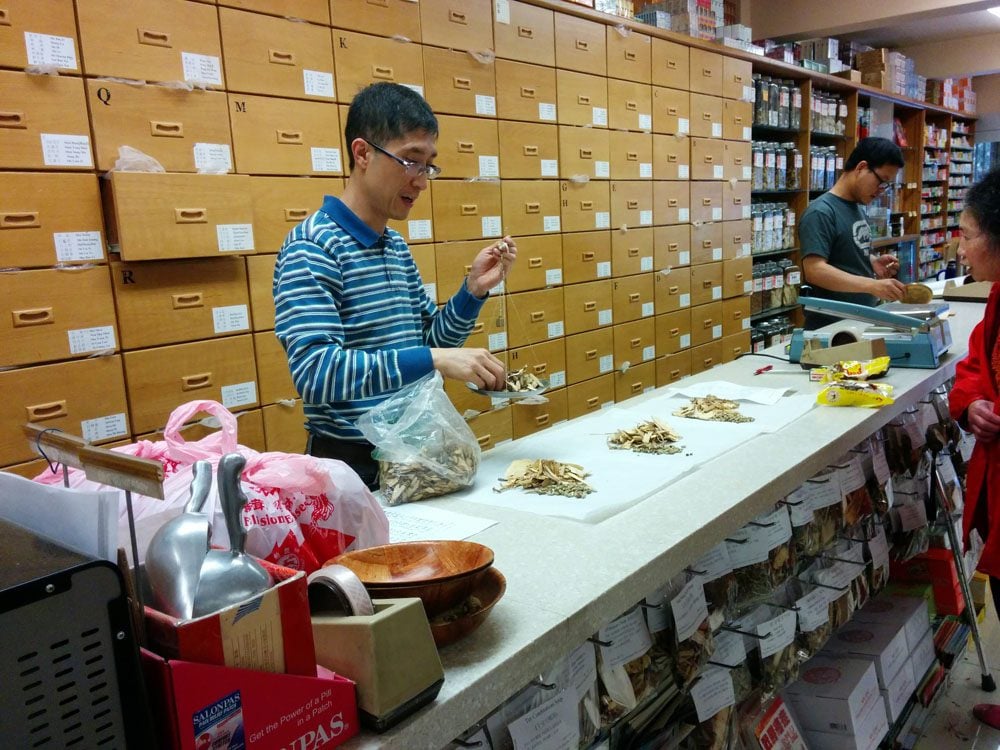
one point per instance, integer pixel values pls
(854, 370)
(851, 393)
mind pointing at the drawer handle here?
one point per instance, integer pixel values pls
(462, 83)
(737, 200)
(532, 208)
(467, 270)
(672, 289)
(592, 402)
(737, 160)
(531, 150)
(457, 16)
(290, 137)
(537, 316)
(383, 72)
(477, 328)
(190, 215)
(633, 251)
(583, 99)
(706, 115)
(590, 354)
(635, 343)
(630, 55)
(466, 147)
(709, 158)
(484, 440)
(379, 3)
(706, 283)
(4, 17)
(542, 419)
(37, 316)
(296, 214)
(184, 301)
(672, 158)
(672, 111)
(526, 32)
(706, 243)
(707, 72)
(675, 332)
(470, 209)
(534, 262)
(590, 306)
(18, 220)
(738, 119)
(586, 205)
(193, 382)
(280, 57)
(708, 361)
(586, 153)
(635, 387)
(672, 202)
(632, 205)
(737, 314)
(706, 201)
(672, 247)
(633, 297)
(737, 239)
(154, 38)
(162, 129)
(632, 106)
(12, 120)
(52, 410)
(737, 78)
(672, 64)
(587, 257)
(583, 45)
(527, 92)
(739, 276)
(632, 156)
(540, 368)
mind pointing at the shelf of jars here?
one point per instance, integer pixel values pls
(890, 241)
(773, 311)
(774, 253)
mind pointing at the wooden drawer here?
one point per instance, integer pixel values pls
(418, 227)
(706, 72)
(706, 243)
(539, 263)
(735, 345)
(581, 45)
(276, 56)
(50, 218)
(260, 278)
(249, 430)
(546, 361)
(35, 33)
(589, 306)
(162, 379)
(363, 59)
(458, 24)
(469, 146)
(284, 427)
(584, 152)
(423, 257)
(737, 79)
(172, 301)
(671, 247)
(632, 298)
(671, 157)
(671, 111)
(452, 262)
(706, 202)
(736, 161)
(586, 256)
(151, 40)
(735, 201)
(285, 136)
(590, 396)
(317, 11)
(736, 239)
(383, 17)
(527, 419)
(706, 116)
(672, 290)
(635, 381)
(631, 204)
(671, 202)
(467, 401)
(706, 357)
(282, 203)
(273, 376)
(525, 33)
(582, 99)
(673, 332)
(44, 123)
(458, 84)
(528, 150)
(707, 159)
(466, 210)
(631, 252)
(671, 65)
(635, 342)
(671, 369)
(534, 316)
(85, 398)
(492, 428)
(737, 120)
(490, 330)
(706, 284)
(528, 92)
(629, 56)
(163, 216)
(737, 277)
(630, 106)
(56, 314)
(590, 354)
(631, 156)
(706, 323)
(735, 315)
(585, 206)
(183, 130)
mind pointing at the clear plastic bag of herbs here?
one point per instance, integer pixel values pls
(910, 533)
(770, 643)
(576, 676)
(731, 653)
(835, 579)
(854, 486)
(904, 445)
(522, 703)
(624, 665)
(877, 552)
(661, 630)
(682, 602)
(710, 707)
(715, 569)
(763, 557)
(812, 609)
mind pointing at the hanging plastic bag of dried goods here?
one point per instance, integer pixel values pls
(423, 446)
(835, 579)
(769, 634)
(812, 607)
(711, 708)
(624, 665)
(763, 557)
(857, 501)
(731, 652)
(905, 444)
(877, 550)
(715, 569)
(576, 676)
(910, 535)
(691, 645)
(515, 714)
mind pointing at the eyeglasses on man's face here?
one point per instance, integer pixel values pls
(413, 169)
(883, 184)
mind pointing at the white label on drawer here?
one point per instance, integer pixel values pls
(606, 363)
(602, 169)
(486, 105)
(645, 122)
(46, 49)
(689, 608)
(602, 219)
(419, 229)
(599, 116)
(746, 212)
(326, 159)
(497, 341)
(550, 167)
(717, 172)
(747, 288)
(104, 428)
(553, 276)
(556, 329)
(717, 332)
(747, 173)
(716, 253)
(99, 339)
(603, 269)
(502, 8)
(685, 300)
(648, 353)
(234, 237)
(553, 725)
(712, 692)
(489, 166)
(683, 214)
(683, 171)
(239, 394)
(60, 150)
(201, 68)
(213, 157)
(716, 214)
(230, 318)
(746, 321)
(645, 220)
(749, 95)
(71, 246)
(747, 133)
(716, 129)
(685, 340)
(647, 309)
(318, 83)
(431, 291)
(646, 263)
(550, 223)
(414, 87)
(629, 639)
(546, 111)
(557, 379)
(684, 258)
(683, 125)
(646, 170)
(745, 250)
(491, 226)
(604, 317)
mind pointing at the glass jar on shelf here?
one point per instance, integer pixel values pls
(757, 297)
(757, 151)
(773, 93)
(793, 179)
(761, 91)
(756, 339)
(778, 227)
(793, 278)
(830, 173)
(780, 167)
(789, 228)
(770, 162)
(784, 105)
(777, 285)
(795, 112)
(767, 237)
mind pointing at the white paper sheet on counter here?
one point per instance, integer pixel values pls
(725, 389)
(416, 522)
(767, 417)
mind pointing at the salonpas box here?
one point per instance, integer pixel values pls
(874, 726)
(834, 694)
(883, 643)
(899, 691)
(908, 612)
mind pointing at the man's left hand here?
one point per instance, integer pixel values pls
(491, 266)
(885, 266)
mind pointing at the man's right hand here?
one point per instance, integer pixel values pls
(476, 366)
(983, 423)
(889, 290)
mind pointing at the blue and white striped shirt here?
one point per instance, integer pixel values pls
(354, 319)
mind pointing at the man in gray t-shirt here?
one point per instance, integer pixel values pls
(835, 237)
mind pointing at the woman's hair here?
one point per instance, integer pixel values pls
(383, 112)
(983, 203)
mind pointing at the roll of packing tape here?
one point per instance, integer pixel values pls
(846, 332)
(338, 590)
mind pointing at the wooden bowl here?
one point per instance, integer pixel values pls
(489, 590)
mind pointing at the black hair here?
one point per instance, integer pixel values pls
(383, 112)
(982, 201)
(875, 151)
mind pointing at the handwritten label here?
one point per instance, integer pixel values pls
(47, 49)
(491, 226)
(647, 309)
(553, 276)
(489, 166)
(683, 125)
(776, 633)
(419, 229)
(502, 10)
(629, 639)
(599, 116)
(550, 167)
(583, 669)
(813, 609)
(603, 269)
(646, 263)
(239, 394)
(604, 317)
(213, 156)
(689, 608)
(683, 215)
(557, 379)
(712, 692)
(554, 725)
(497, 341)
(551, 223)
(716, 129)
(911, 516)
(318, 83)
(880, 464)
(606, 363)
(684, 300)
(645, 220)
(717, 172)
(431, 291)
(230, 318)
(853, 477)
(76, 246)
(683, 171)
(714, 564)
(60, 150)
(878, 549)
(201, 68)
(234, 237)
(556, 329)
(646, 170)
(602, 168)
(97, 339)
(730, 648)
(546, 111)
(602, 220)
(326, 159)
(104, 428)
(645, 122)
(486, 105)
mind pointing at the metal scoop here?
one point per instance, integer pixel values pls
(230, 576)
(178, 548)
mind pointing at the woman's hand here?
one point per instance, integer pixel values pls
(985, 425)
(491, 266)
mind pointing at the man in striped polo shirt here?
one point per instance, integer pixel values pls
(350, 307)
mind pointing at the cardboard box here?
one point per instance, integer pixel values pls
(882, 643)
(834, 695)
(899, 691)
(923, 657)
(908, 612)
(868, 737)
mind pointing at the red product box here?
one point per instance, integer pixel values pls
(936, 566)
(206, 707)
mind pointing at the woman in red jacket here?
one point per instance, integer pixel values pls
(974, 399)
